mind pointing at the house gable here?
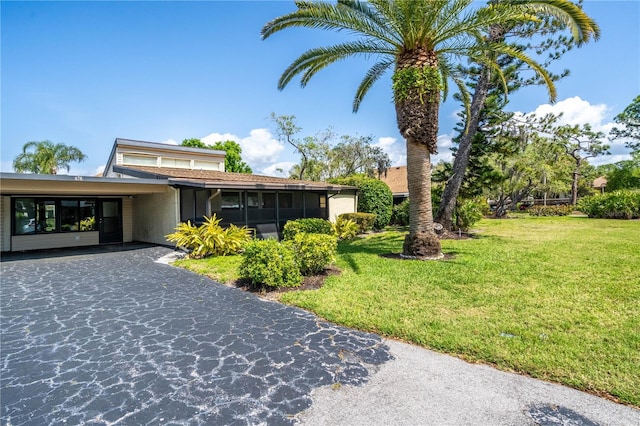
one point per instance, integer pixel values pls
(128, 152)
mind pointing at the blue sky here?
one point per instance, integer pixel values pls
(84, 73)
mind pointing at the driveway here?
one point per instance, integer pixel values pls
(111, 337)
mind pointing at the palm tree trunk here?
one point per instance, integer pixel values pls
(421, 242)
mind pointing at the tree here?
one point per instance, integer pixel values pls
(195, 143)
(232, 159)
(580, 143)
(419, 40)
(352, 155)
(45, 157)
(286, 128)
(623, 174)
(555, 16)
(630, 120)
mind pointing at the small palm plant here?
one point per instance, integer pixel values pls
(210, 239)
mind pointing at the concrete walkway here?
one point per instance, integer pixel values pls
(113, 337)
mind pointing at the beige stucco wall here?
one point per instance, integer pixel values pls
(344, 202)
(5, 223)
(127, 220)
(58, 240)
(154, 216)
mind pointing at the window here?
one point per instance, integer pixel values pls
(230, 200)
(206, 165)
(139, 160)
(69, 215)
(175, 162)
(24, 216)
(268, 200)
(87, 215)
(323, 202)
(46, 216)
(40, 216)
(253, 201)
(285, 200)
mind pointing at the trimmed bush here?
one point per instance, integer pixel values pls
(309, 226)
(550, 210)
(314, 252)
(401, 213)
(345, 229)
(363, 220)
(209, 239)
(374, 197)
(622, 204)
(270, 263)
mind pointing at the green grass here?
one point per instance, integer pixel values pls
(554, 298)
(223, 269)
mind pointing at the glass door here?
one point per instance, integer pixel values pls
(110, 221)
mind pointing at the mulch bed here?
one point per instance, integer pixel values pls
(313, 282)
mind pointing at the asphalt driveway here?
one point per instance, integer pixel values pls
(112, 337)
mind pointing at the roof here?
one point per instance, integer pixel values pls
(60, 185)
(600, 182)
(217, 179)
(155, 147)
(396, 179)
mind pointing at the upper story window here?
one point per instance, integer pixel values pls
(206, 165)
(175, 162)
(139, 160)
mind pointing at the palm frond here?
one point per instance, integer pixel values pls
(373, 75)
(581, 25)
(313, 60)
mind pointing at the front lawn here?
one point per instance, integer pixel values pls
(555, 298)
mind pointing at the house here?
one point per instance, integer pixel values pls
(600, 184)
(146, 190)
(396, 179)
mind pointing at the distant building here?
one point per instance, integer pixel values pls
(600, 184)
(396, 179)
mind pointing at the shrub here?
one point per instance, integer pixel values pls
(466, 214)
(270, 263)
(561, 210)
(622, 204)
(309, 226)
(314, 252)
(345, 229)
(401, 213)
(374, 197)
(363, 220)
(209, 239)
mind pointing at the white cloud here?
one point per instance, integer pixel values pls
(280, 169)
(258, 149)
(577, 111)
(445, 142)
(396, 150)
(219, 137)
(609, 159)
(170, 142)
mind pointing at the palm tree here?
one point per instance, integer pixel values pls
(419, 39)
(46, 157)
(568, 15)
